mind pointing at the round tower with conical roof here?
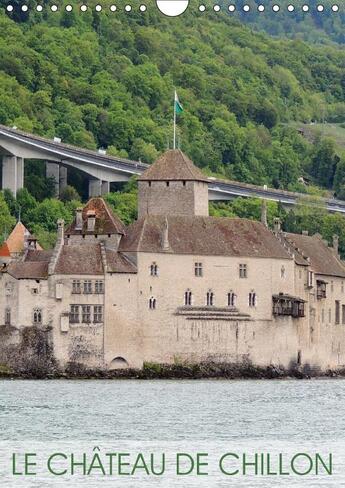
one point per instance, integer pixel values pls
(173, 185)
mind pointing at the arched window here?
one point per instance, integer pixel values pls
(152, 303)
(37, 317)
(231, 299)
(154, 269)
(210, 298)
(252, 299)
(188, 298)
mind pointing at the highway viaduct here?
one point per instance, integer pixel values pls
(102, 169)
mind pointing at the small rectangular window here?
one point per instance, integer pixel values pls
(99, 286)
(98, 314)
(86, 314)
(252, 299)
(337, 312)
(74, 314)
(231, 299)
(8, 316)
(243, 271)
(198, 269)
(76, 287)
(154, 269)
(343, 314)
(87, 287)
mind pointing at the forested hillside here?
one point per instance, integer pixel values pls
(325, 26)
(106, 80)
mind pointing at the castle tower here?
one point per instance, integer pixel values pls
(173, 185)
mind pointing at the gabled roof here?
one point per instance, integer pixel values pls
(198, 235)
(173, 165)
(106, 221)
(119, 263)
(322, 259)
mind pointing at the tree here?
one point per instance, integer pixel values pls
(68, 194)
(6, 219)
(48, 212)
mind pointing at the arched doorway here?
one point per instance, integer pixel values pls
(119, 363)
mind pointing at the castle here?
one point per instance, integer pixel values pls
(176, 285)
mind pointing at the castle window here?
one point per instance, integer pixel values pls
(188, 298)
(152, 303)
(87, 287)
(154, 269)
(321, 289)
(337, 312)
(184, 183)
(37, 316)
(329, 315)
(76, 287)
(198, 269)
(7, 316)
(310, 283)
(343, 314)
(74, 314)
(99, 286)
(167, 183)
(282, 272)
(210, 298)
(149, 183)
(243, 271)
(86, 314)
(252, 299)
(97, 314)
(231, 299)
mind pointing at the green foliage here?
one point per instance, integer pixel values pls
(47, 213)
(6, 220)
(104, 80)
(68, 194)
(124, 205)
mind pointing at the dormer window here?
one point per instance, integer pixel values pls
(154, 269)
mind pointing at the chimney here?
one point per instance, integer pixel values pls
(91, 221)
(336, 244)
(32, 243)
(165, 236)
(277, 225)
(305, 233)
(264, 213)
(79, 219)
(60, 230)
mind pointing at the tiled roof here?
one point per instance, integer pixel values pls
(322, 258)
(85, 259)
(118, 263)
(106, 221)
(173, 165)
(34, 267)
(4, 250)
(210, 236)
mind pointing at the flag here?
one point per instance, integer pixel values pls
(177, 105)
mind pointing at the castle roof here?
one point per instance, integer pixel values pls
(173, 165)
(198, 235)
(323, 260)
(35, 266)
(106, 221)
(15, 243)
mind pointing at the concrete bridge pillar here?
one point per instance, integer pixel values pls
(63, 177)
(12, 173)
(53, 171)
(105, 187)
(95, 187)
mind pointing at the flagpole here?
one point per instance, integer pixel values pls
(174, 144)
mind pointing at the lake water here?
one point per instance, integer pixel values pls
(170, 417)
